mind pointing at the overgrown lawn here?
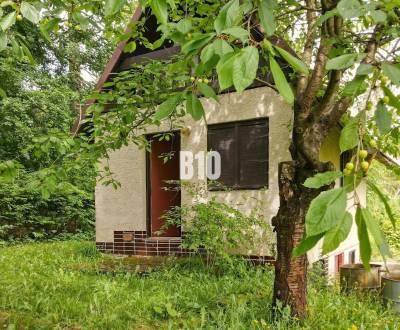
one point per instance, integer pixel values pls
(56, 286)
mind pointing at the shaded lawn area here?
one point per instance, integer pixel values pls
(56, 286)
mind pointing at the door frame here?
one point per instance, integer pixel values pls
(148, 182)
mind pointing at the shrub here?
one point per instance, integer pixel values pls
(26, 215)
(218, 229)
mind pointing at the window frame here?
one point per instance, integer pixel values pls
(352, 257)
(235, 125)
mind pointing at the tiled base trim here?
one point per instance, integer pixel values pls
(138, 243)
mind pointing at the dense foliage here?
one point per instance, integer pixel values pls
(390, 185)
(219, 230)
(41, 89)
(26, 215)
(39, 105)
(63, 285)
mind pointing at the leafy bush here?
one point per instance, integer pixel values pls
(35, 116)
(218, 229)
(389, 183)
(26, 214)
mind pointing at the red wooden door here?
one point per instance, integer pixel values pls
(160, 199)
(339, 260)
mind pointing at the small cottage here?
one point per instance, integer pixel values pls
(251, 131)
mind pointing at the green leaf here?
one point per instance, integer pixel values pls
(296, 63)
(194, 107)
(392, 71)
(45, 193)
(364, 69)
(266, 15)
(184, 26)
(349, 135)
(11, 3)
(8, 20)
(228, 16)
(338, 234)
(329, 14)
(218, 48)
(293, 3)
(375, 231)
(113, 6)
(9, 170)
(349, 8)
(130, 47)
(221, 47)
(238, 33)
(172, 4)
(207, 53)
(280, 81)
(322, 179)
(82, 20)
(394, 101)
(384, 200)
(27, 53)
(245, 68)
(325, 211)
(30, 12)
(383, 119)
(16, 48)
(267, 46)
(306, 244)
(167, 107)
(47, 27)
(225, 70)
(3, 41)
(196, 43)
(246, 6)
(352, 181)
(160, 10)
(355, 87)
(365, 245)
(341, 62)
(378, 16)
(3, 93)
(207, 91)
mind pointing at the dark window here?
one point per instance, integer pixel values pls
(352, 257)
(243, 147)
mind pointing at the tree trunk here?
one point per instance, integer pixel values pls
(291, 274)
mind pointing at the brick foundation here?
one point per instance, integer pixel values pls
(138, 243)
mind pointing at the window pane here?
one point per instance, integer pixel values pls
(253, 154)
(243, 147)
(222, 139)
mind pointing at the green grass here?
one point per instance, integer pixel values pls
(42, 286)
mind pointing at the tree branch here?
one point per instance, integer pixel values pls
(308, 46)
(331, 113)
(315, 81)
(331, 92)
